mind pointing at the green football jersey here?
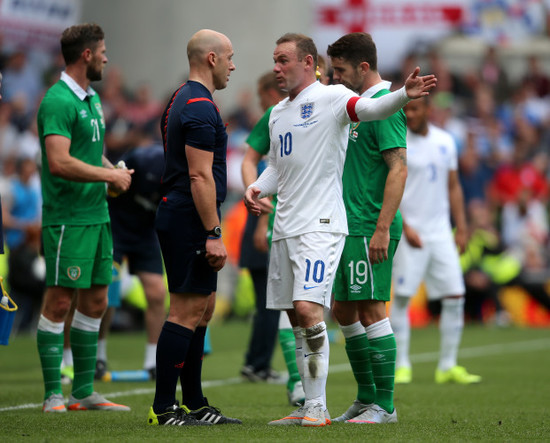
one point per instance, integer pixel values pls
(258, 139)
(63, 112)
(365, 171)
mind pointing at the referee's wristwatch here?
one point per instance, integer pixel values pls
(214, 233)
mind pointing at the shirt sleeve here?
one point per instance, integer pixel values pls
(200, 120)
(57, 117)
(258, 138)
(267, 182)
(367, 109)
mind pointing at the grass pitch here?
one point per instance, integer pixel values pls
(511, 404)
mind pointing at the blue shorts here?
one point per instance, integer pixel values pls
(182, 239)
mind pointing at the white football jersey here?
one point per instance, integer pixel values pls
(308, 148)
(425, 205)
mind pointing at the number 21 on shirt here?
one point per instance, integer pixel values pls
(95, 129)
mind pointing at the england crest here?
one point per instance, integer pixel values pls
(306, 110)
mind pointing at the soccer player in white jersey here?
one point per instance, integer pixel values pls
(308, 133)
(428, 250)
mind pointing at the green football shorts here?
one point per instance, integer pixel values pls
(78, 256)
(358, 279)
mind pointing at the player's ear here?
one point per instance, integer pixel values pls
(211, 58)
(364, 67)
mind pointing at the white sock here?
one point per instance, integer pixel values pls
(316, 357)
(50, 326)
(352, 330)
(67, 357)
(298, 335)
(102, 349)
(401, 330)
(85, 323)
(150, 361)
(381, 328)
(451, 323)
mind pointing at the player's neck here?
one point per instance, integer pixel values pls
(371, 80)
(202, 77)
(293, 93)
(78, 74)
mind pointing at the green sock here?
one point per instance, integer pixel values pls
(288, 345)
(382, 352)
(50, 350)
(357, 348)
(84, 347)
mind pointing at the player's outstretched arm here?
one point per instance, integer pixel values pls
(418, 86)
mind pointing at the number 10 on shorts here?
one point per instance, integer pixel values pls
(315, 271)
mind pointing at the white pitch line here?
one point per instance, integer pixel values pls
(479, 351)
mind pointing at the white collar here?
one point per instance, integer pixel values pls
(76, 88)
(376, 88)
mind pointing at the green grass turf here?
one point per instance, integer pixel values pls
(511, 404)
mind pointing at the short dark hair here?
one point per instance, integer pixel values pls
(355, 48)
(305, 45)
(77, 38)
(268, 81)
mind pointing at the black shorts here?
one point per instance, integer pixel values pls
(182, 240)
(143, 256)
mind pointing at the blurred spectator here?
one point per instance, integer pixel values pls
(524, 227)
(474, 175)
(439, 67)
(444, 114)
(143, 108)
(493, 75)
(486, 266)
(21, 214)
(21, 206)
(8, 133)
(491, 140)
(513, 178)
(22, 85)
(535, 76)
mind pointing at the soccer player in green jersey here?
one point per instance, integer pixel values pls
(78, 246)
(374, 178)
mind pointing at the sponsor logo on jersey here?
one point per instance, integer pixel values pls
(73, 272)
(83, 113)
(306, 110)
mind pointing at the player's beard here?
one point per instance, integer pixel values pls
(93, 73)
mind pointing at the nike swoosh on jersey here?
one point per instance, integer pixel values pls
(310, 287)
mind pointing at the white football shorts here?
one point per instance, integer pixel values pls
(436, 263)
(303, 268)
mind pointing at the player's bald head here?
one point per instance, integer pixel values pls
(205, 41)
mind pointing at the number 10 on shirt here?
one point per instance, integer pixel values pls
(286, 144)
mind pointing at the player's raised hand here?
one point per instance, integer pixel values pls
(251, 201)
(418, 86)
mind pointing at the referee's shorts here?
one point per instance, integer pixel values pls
(182, 241)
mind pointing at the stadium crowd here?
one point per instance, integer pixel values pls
(501, 128)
